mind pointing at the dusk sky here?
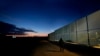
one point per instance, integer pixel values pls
(45, 16)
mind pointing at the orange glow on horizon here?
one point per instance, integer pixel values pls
(36, 34)
(31, 34)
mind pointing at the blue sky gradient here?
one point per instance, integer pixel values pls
(44, 16)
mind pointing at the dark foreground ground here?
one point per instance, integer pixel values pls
(41, 47)
(19, 46)
(82, 50)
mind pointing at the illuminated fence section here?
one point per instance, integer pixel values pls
(82, 34)
(85, 31)
(94, 28)
(66, 33)
(73, 32)
(94, 37)
(57, 36)
(59, 33)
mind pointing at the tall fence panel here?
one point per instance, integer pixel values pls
(82, 35)
(73, 32)
(94, 20)
(94, 28)
(82, 24)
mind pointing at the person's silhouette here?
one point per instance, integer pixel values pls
(61, 44)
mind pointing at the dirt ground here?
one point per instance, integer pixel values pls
(49, 49)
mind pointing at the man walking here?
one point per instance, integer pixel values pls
(61, 44)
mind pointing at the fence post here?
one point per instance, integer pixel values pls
(76, 32)
(87, 30)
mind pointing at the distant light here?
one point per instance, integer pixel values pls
(13, 36)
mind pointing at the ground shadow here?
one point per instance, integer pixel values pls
(82, 50)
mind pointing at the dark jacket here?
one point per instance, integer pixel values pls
(61, 43)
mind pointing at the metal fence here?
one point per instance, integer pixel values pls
(83, 31)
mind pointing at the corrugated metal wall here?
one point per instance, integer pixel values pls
(84, 31)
